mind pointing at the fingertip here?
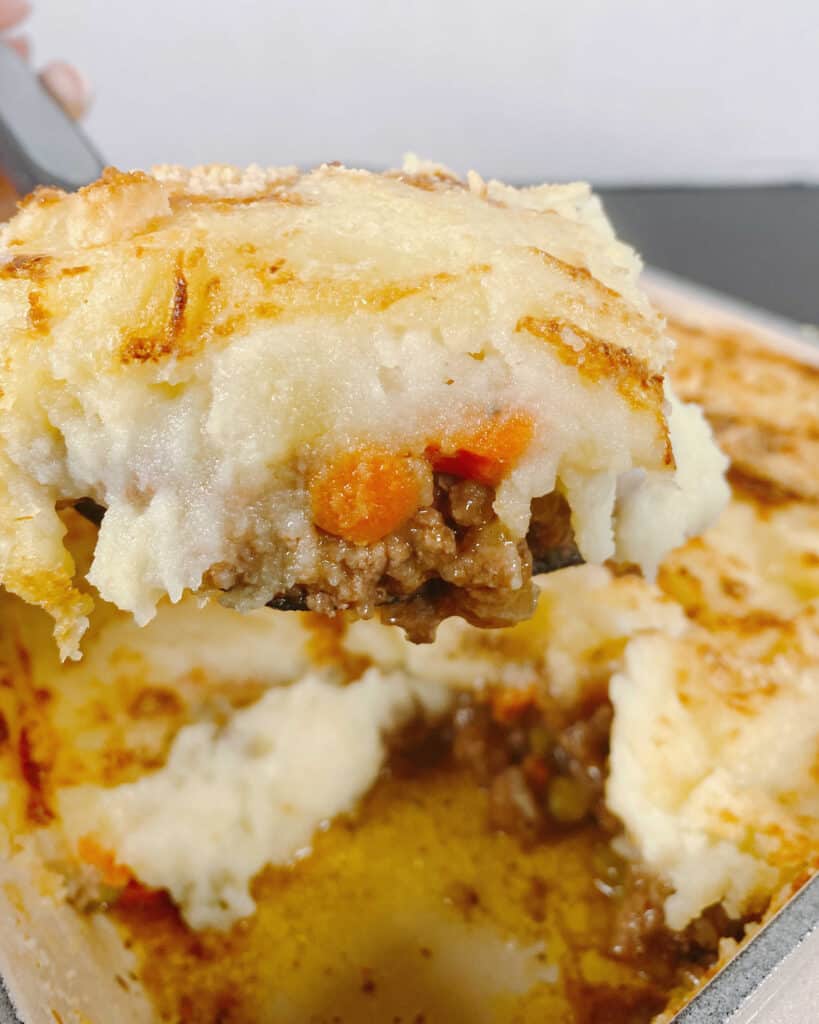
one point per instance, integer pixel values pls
(68, 86)
(12, 12)
(21, 45)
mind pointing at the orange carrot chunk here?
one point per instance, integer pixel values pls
(113, 873)
(139, 896)
(510, 705)
(364, 495)
(488, 453)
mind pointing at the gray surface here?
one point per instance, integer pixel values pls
(758, 244)
(8, 1015)
(791, 993)
(39, 143)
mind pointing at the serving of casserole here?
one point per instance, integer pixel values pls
(396, 408)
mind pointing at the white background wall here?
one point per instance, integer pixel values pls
(617, 91)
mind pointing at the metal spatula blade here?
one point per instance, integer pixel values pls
(39, 142)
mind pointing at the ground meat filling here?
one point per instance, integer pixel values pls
(545, 772)
(454, 557)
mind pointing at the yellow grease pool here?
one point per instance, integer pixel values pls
(413, 913)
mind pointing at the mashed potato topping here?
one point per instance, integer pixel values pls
(270, 380)
(715, 739)
(228, 801)
(723, 809)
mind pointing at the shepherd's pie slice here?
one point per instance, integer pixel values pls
(333, 390)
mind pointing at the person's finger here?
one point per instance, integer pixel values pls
(22, 44)
(13, 11)
(69, 87)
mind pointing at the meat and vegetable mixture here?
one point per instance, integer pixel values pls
(291, 817)
(453, 558)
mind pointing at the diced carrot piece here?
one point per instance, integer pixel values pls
(92, 852)
(137, 895)
(488, 453)
(508, 705)
(536, 771)
(364, 495)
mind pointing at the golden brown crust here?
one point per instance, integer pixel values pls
(201, 309)
(595, 360)
(758, 488)
(434, 180)
(761, 404)
(30, 266)
(146, 217)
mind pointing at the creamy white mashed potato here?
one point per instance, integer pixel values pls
(197, 351)
(712, 766)
(230, 800)
(574, 640)
(715, 738)
(655, 515)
